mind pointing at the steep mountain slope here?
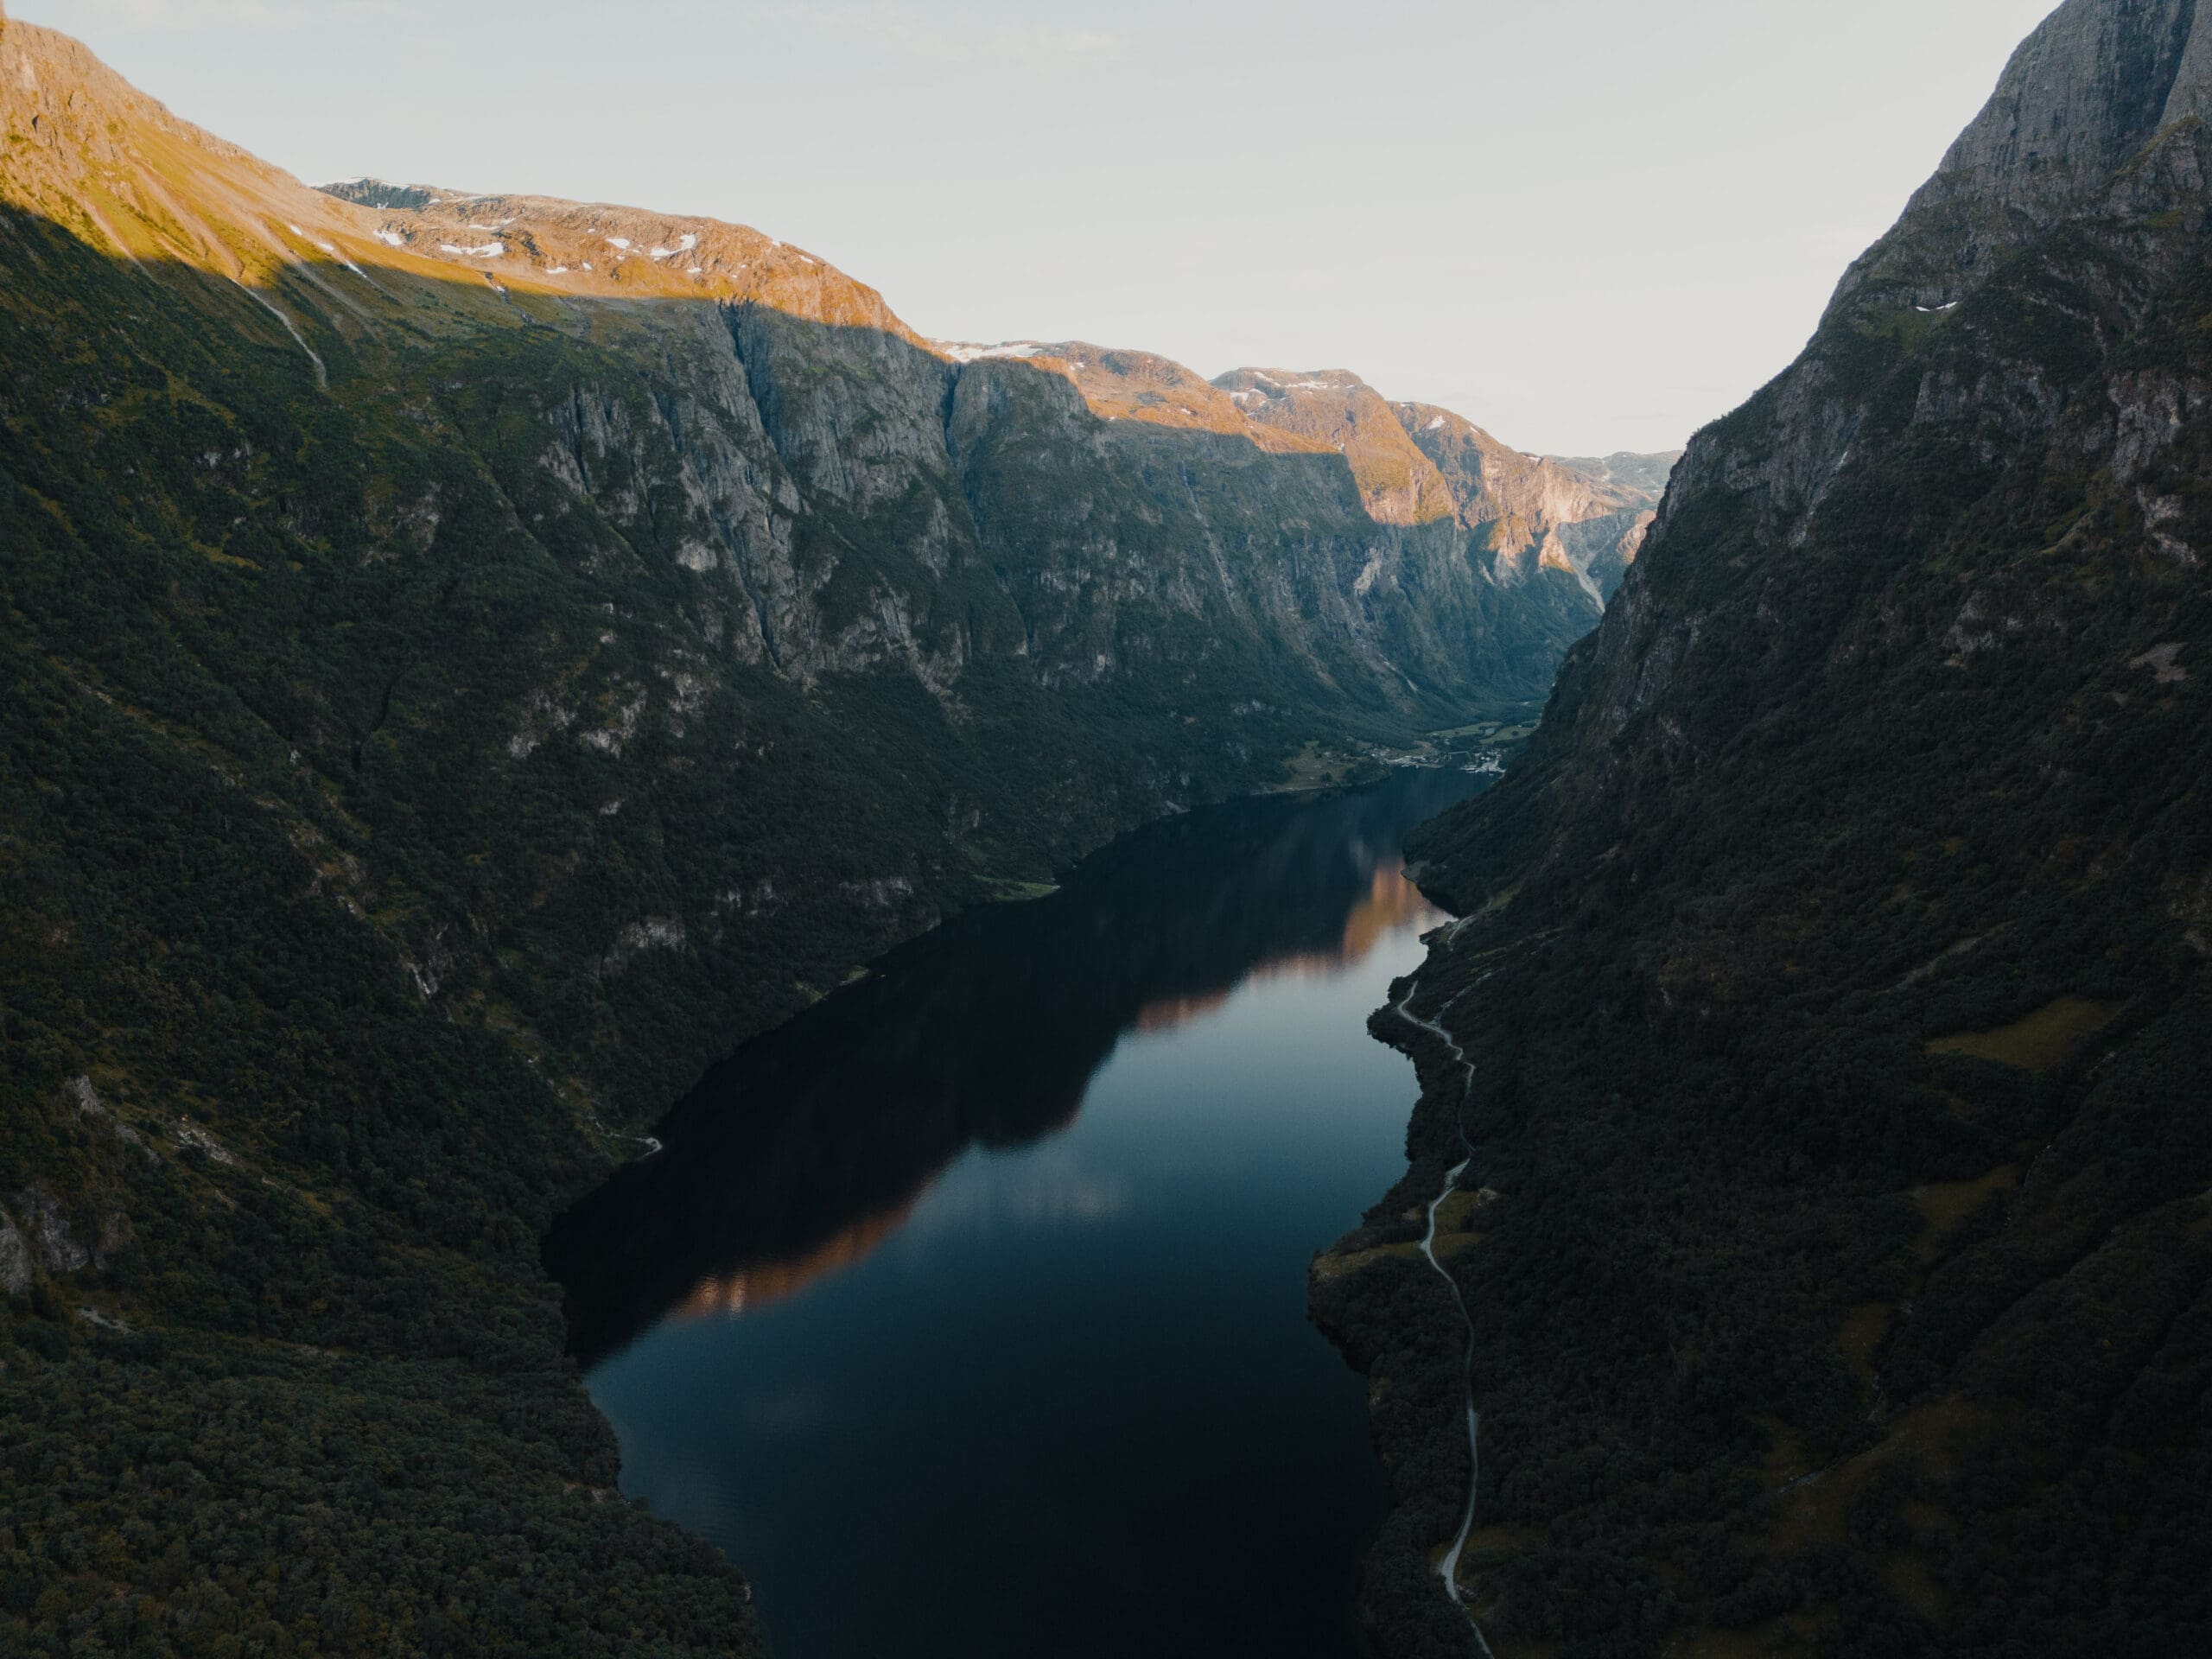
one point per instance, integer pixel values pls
(468, 661)
(1833, 977)
(1539, 514)
(1335, 409)
(1544, 525)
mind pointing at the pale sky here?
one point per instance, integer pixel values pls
(1587, 225)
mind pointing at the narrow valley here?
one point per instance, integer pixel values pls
(693, 967)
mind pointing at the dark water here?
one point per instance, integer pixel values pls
(966, 1312)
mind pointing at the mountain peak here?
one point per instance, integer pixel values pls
(2081, 95)
(89, 151)
(382, 194)
(608, 250)
(2099, 86)
(1278, 382)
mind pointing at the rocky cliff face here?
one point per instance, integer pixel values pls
(1832, 972)
(757, 501)
(1534, 522)
(2074, 202)
(1540, 513)
(852, 409)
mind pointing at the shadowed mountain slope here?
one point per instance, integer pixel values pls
(1833, 974)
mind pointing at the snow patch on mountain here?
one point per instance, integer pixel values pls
(964, 352)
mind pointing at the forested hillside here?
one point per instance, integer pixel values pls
(468, 664)
(1834, 975)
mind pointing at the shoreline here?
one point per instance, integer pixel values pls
(1401, 1579)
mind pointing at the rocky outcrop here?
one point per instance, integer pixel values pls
(15, 1258)
(2080, 100)
(1538, 513)
(2079, 189)
(42, 1234)
(1335, 409)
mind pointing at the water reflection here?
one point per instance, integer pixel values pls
(810, 1147)
(1391, 904)
(967, 1311)
(761, 1284)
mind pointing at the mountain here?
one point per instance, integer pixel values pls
(1534, 518)
(471, 661)
(1832, 988)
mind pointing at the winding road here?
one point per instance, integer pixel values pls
(1448, 1569)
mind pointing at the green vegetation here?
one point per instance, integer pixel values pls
(417, 764)
(1319, 765)
(266, 1498)
(2042, 1042)
(1836, 988)
(1016, 891)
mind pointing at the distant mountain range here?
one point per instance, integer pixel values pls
(1413, 464)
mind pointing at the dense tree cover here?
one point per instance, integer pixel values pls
(384, 829)
(1836, 993)
(338, 1421)
(987, 1031)
(199, 1496)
